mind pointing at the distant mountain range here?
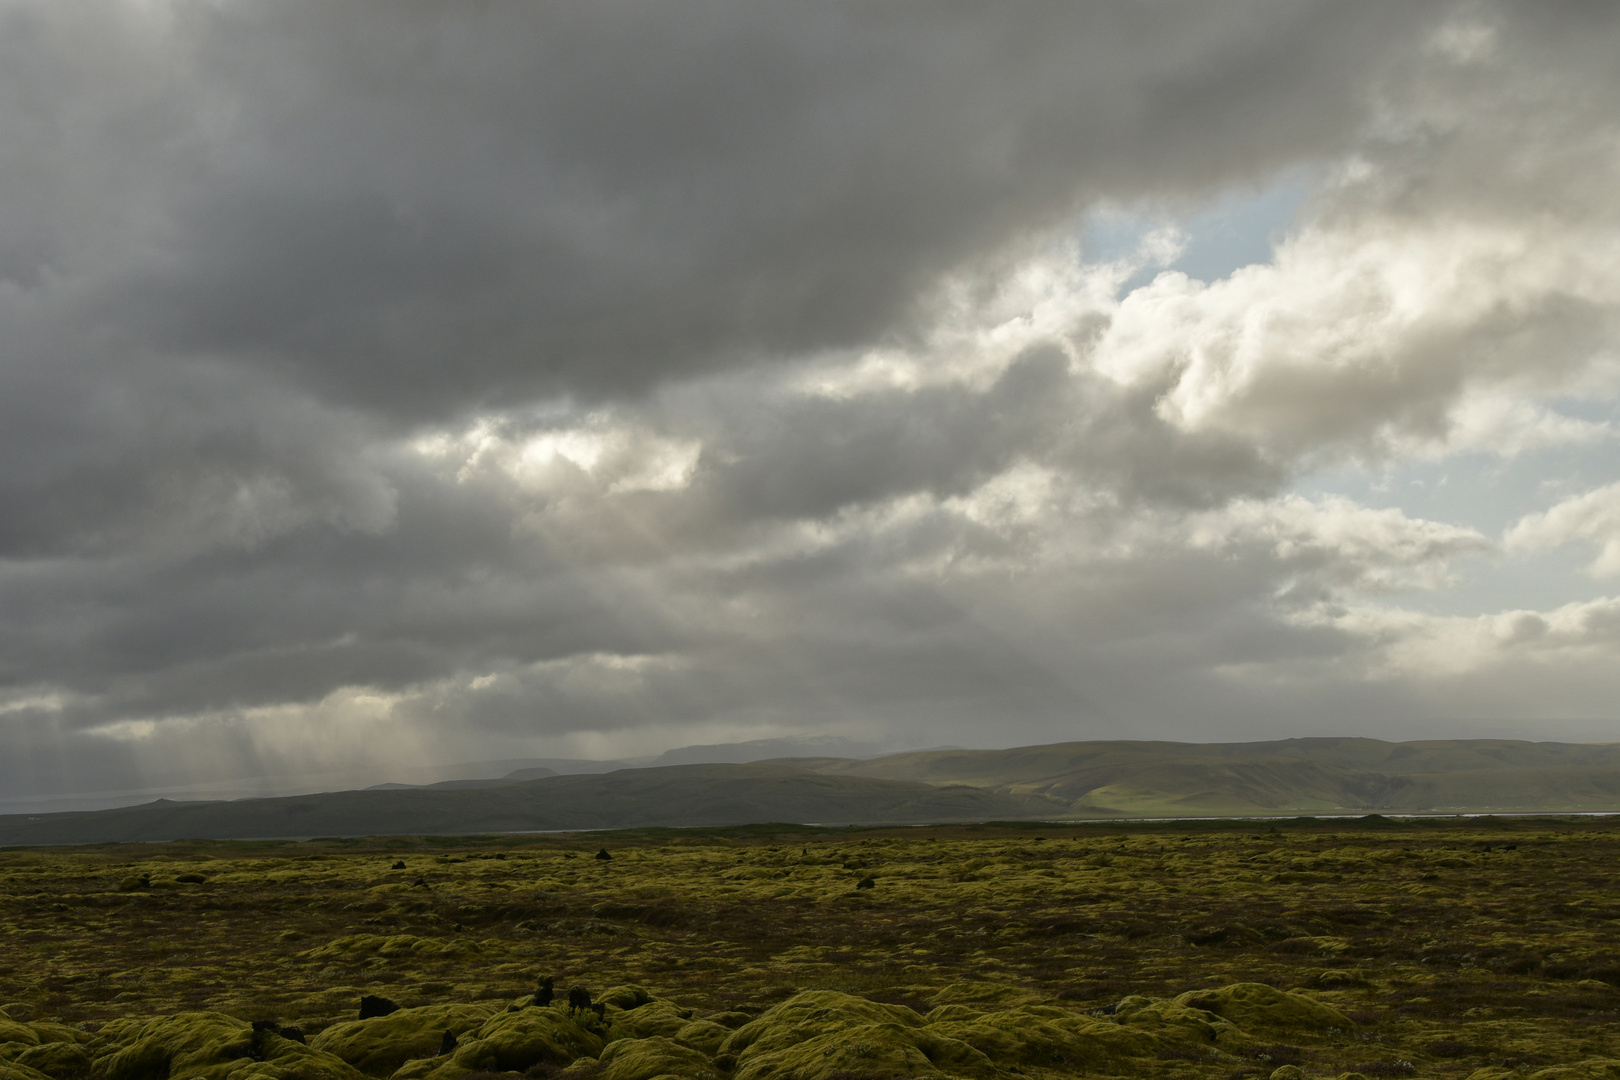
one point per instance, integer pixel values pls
(1064, 781)
(483, 773)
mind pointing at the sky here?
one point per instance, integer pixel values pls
(392, 384)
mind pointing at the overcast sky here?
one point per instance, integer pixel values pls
(396, 383)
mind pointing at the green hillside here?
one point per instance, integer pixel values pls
(670, 796)
(1287, 776)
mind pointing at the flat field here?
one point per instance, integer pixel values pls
(1448, 946)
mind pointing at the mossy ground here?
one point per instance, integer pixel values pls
(1450, 945)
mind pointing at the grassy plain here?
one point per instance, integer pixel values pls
(1451, 945)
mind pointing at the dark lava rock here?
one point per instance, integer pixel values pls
(375, 1006)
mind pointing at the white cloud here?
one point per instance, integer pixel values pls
(1342, 544)
(1592, 518)
(1500, 423)
(1417, 646)
(601, 455)
(1364, 332)
(31, 701)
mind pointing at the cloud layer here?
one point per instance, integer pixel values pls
(382, 385)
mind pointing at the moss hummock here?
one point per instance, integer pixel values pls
(211, 1046)
(380, 1045)
(515, 1041)
(1265, 1010)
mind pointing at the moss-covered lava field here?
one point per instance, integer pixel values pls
(1423, 947)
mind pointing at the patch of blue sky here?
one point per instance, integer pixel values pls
(1240, 229)
(1490, 493)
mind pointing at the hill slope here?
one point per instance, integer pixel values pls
(674, 795)
(1287, 776)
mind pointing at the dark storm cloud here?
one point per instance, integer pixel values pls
(417, 207)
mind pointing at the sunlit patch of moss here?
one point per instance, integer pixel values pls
(212, 1046)
(1265, 1010)
(655, 1056)
(1175, 1022)
(516, 1041)
(380, 1045)
(1053, 1038)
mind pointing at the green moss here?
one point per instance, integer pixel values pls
(1178, 1023)
(122, 1028)
(516, 1041)
(13, 1032)
(1592, 1069)
(1264, 1010)
(380, 1045)
(824, 1033)
(15, 1071)
(58, 1033)
(656, 1017)
(285, 1059)
(625, 997)
(63, 1060)
(875, 1051)
(1051, 1038)
(811, 1014)
(644, 1059)
(984, 993)
(212, 1046)
(172, 1045)
(425, 1067)
(704, 1036)
(941, 1013)
(396, 946)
